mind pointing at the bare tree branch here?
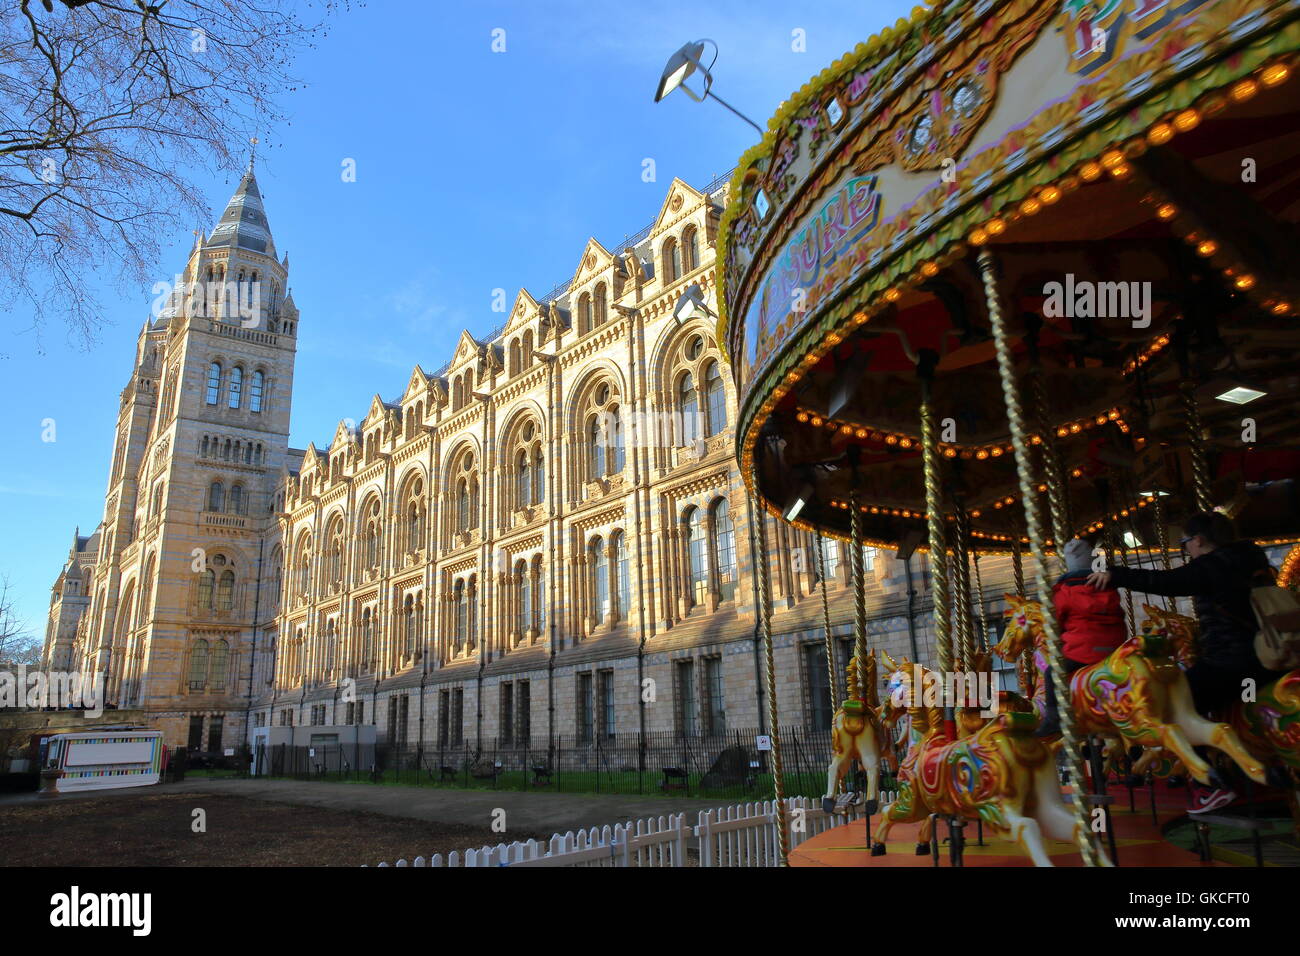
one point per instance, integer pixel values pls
(104, 104)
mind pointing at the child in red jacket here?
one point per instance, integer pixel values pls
(1091, 622)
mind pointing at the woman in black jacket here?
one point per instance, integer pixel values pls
(1218, 578)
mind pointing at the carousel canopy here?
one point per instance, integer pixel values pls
(1129, 167)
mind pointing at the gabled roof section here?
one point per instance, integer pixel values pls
(343, 436)
(377, 412)
(417, 386)
(524, 310)
(680, 196)
(467, 349)
(595, 258)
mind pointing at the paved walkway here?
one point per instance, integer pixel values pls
(532, 812)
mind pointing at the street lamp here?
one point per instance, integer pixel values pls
(685, 62)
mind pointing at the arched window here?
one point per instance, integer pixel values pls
(336, 553)
(696, 547)
(616, 426)
(214, 383)
(146, 592)
(225, 451)
(236, 386)
(216, 497)
(596, 436)
(372, 533)
(672, 261)
(524, 480)
(415, 516)
(689, 405)
(624, 583)
(236, 499)
(584, 313)
(199, 665)
(539, 477)
(367, 638)
(690, 250)
(539, 588)
(513, 362)
(203, 448)
(206, 581)
(331, 638)
(525, 617)
(528, 349)
(462, 505)
(304, 567)
(408, 642)
(255, 392)
(724, 550)
(220, 665)
(471, 596)
(462, 612)
(715, 397)
(602, 308)
(600, 577)
(226, 591)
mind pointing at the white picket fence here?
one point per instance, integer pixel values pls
(740, 835)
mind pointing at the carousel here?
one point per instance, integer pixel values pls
(1011, 273)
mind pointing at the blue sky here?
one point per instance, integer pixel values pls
(474, 171)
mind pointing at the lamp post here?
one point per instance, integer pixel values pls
(685, 62)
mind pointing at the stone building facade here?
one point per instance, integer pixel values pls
(547, 536)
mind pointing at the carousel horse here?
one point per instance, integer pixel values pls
(1137, 692)
(1001, 774)
(1269, 725)
(856, 731)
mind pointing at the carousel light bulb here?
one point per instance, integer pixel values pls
(950, 453)
(816, 422)
(905, 443)
(1187, 120)
(1030, 206)
(1050, 195)
(978, 237)
(893, 295)
(1281, 308)
(929, 270)
(995, 227)
(1123, 171)
(1275, 74)
(982, 454)
(891, 439)
(1207, 247)
(1167, 211)
(1244, 90)
(802, 417)
(1160, 134)
(1245, 282)
(861, 433)
(1112, 158)
(1075, 428)
(1090, 171)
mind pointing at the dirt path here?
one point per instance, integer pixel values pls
(154, 828)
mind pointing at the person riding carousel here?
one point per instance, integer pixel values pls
(1219, 578)
(1091, 623)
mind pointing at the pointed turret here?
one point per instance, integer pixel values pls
(243, 225)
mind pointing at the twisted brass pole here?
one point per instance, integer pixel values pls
(1028, 494)
(1196, 445)
(961, 582)
(765, 626)
(1049, 454)
(979, 592)
(934, 521)
(858, 566)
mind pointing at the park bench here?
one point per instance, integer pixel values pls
(542, 776)
(674, 779)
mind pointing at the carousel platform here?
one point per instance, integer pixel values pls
(1169, 841)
